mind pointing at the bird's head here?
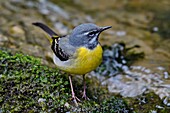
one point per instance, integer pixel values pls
(86, 35)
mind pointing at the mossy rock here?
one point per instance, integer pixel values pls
(28, 86)
(148, 103)
(25, 85)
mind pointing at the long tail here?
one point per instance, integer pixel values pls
(49, 31)
(54, 41)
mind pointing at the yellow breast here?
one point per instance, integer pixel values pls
(86, 61)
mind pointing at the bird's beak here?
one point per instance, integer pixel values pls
(104, 28)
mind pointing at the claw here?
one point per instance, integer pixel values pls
(85, 96)
(75, 100)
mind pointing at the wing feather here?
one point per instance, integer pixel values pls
(58, 51)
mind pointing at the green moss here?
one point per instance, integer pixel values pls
(24, 83)
(147, 103)
(114, 105)
(28, 86)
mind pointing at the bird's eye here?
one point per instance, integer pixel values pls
(91, 34)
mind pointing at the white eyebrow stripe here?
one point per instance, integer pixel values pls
(86, 33)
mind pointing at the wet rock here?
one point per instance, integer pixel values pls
(29, 49)
(45, 7)
(3, 21)
(63, 30)
(129, 89)
(18, 32)
(3, 40)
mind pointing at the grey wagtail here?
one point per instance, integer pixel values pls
(77, 53)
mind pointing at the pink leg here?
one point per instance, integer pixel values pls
(84, 89)
(75, 99)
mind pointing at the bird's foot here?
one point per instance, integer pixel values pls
(75, 100)
(85, 96)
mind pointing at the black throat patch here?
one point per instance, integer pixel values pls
(91, 46)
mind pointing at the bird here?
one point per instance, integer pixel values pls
(77, 53)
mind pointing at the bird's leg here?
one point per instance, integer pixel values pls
(75, 99)
(84, 89)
